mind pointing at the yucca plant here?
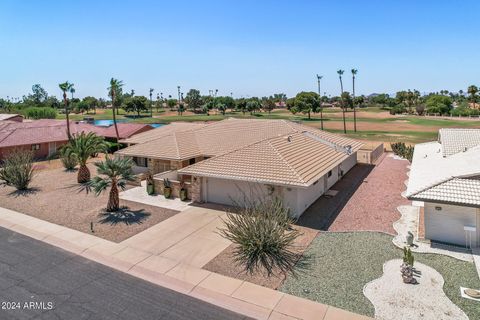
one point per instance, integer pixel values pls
(113, 173)
(17, 169)
(263, 236)
(83, 146)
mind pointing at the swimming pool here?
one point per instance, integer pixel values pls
(107, 123)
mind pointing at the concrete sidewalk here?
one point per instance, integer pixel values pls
(169, 254)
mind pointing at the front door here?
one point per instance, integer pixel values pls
(52, 148)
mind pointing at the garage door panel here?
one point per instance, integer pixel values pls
(448, 227)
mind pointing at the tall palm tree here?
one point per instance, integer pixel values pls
(114, 173)
(115, 89)
(354, 72)
(151, 104)
(83, 146)
(72, 91)
(340, 73)
(472, 91)
(320, 95)
(66, 87)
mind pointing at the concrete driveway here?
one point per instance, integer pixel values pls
(190, 237)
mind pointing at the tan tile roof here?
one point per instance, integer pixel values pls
(223, 136)
(163, 131)
(174, 146)
(296, 159)
(455, 140)
(463, 191)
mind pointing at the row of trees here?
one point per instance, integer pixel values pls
(442, 102)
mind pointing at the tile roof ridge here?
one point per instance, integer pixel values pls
(9, 134)
(431, 185)
(286, 162)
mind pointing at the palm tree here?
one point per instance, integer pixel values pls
(472, 91)
(66, 86)
(72, 91)
(354, 72)
(114, 89)
(340, 73)
(151, 105)
(320, 95)
(82, 146)
(113, 173)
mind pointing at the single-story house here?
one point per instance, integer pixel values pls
(445, 183)
(232, 160)
(11, 117)
(45, 137)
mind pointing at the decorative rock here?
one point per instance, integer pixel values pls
(426, 300)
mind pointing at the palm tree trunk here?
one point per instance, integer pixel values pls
(67, 116)
(83, 174)
(113, 199)
(343, 107)
(115, 121)
(354, 110)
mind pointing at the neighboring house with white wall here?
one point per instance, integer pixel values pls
(224, 162)
(445, 181)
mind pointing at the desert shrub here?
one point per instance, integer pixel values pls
(17, 169)
(69, 160)
(402, 150)
(263, 236)
(40, 113)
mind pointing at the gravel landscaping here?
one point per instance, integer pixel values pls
(224, 263)
(55, 197)
(395, 300)
(373, 206)
(341, 264)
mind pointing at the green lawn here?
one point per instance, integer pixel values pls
(339, 265)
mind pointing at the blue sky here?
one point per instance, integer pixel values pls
(250, 48)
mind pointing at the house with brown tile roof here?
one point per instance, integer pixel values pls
(228, 161)
(45, 137)
(444, 182)
(11, 117)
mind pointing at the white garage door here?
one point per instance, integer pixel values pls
(448, 227)
(229, 192)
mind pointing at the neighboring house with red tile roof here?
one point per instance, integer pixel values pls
(445, 180)
(227, 161)
(45, 137)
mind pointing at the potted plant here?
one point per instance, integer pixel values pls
(167, 189)
(150, 183)
(183, 191)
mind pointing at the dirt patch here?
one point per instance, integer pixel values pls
(55, 197)
(224, 263)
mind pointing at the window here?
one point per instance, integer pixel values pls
(191, 161)
(141, 162)
(329, 174)
(35, 147)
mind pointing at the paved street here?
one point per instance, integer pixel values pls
(35, 275)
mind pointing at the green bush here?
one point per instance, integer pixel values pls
(402, 150)
(398, 109)
(464, 112)
(40, 113)
(17, 170)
